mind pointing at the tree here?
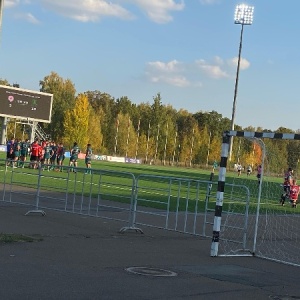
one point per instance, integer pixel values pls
(4, 82)
(63, 100)
(76, 123)
(125, 131)
(94, 130)
(106, 104)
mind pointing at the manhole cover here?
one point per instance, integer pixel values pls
(151, 271)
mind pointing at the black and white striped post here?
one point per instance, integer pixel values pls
(222, 174)
(220, 195)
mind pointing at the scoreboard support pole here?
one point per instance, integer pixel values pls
(32, 132)
(3, 130)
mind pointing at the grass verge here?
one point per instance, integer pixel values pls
(6, 238)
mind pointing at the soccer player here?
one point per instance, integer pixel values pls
(294, 193)
(239, 169)
(74, 156)
(10, 151)
(53, 154)
(60, 156)
(88, 158)
(288, 182)
(16, 154)
(47, 154)
(24, 152)
(249, 170)
(35, 151)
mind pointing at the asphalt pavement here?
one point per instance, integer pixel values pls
(78, 257)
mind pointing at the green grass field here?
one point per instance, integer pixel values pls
(158, 185)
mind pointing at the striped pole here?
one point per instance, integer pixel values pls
(222, 174)
(220, 195)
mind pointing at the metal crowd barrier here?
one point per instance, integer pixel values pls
(177, 204)
(101, 193)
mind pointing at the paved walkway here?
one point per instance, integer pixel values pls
(87, 258)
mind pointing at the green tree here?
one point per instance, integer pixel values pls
(63, 100)
(4, 82)
(106, 104)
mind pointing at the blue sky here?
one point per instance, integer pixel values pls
(186, 50)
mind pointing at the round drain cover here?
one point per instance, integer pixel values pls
(151, 271)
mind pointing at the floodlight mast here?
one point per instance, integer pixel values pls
(243, 16)
(4, 119)
(1, 10)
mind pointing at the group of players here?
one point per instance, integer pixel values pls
(45, 154)
(290, 189)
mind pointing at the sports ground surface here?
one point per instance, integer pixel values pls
(76, 257)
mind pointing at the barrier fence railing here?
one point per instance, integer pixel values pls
(106, 194)
(176, 204)
(188, 206)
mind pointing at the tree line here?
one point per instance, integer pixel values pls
(151, 132)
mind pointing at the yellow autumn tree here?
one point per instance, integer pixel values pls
(76, 123)
(94, 130)
(126, 137)
(215, 149)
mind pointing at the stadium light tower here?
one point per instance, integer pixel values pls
(4, 119)
(1, 10)
(243, 16)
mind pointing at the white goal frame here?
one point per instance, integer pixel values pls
(222, 178)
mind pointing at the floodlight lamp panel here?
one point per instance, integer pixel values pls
(243, 14)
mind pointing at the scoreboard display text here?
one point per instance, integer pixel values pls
(25, 104)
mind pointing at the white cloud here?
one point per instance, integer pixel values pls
(87, 10)
(159, 10)
(218, 60)
(244, 63)
(208, 2)
(28, 17)
(182, 74)
(11, 3)
(169, 73)
(212, 70)
(169, 67)
(179, 81)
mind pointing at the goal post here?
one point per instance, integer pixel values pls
(272, 228)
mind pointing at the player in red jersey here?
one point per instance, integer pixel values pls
(294, 193)
(35, 151)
